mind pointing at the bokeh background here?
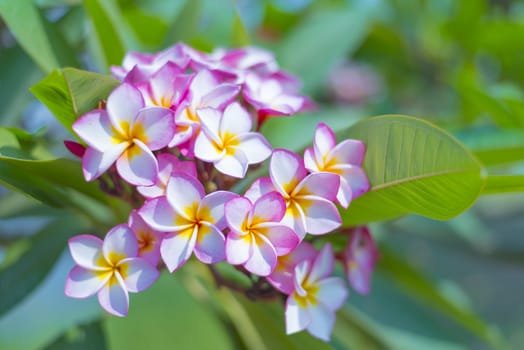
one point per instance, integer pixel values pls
(438, 285)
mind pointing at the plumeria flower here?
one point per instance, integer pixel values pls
(360, 256)
(269, 96)
(227, 142)
(282, 277)
(192, 220)
(257, 238)
(204, 91)
(344, 159)
(143, 65)
(148, 239)
(309, 198)
(110, 268)
(165, 88)
(167, 165)
(316, 296)
(125, 133)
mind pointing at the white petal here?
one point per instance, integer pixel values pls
(297, 318)
(113, 297)
(322, 322)
(82, 283)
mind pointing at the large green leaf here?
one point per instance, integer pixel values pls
(71, 92)
(108, 25)
(21, 277)
(413, 167)
(321, 40)
(27, 25)
(504, 184)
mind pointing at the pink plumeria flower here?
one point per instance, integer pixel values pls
(125, 133)
(257, 238)
(148, 239)
(344, 159)
(168, 164)
(282, 277)
(269, 96)
(165, 88)
(309, 198)
(138, 67)
(316, 296)
(110, 268)
(204, 91)
(226, 140)
(192, 220)
(360, 256)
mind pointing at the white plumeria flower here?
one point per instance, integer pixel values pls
(316, 296)
(344, 159)
(110, 268)
(227, 142)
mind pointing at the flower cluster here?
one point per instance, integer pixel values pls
(177, 133)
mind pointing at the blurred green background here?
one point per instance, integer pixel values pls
(438, 285)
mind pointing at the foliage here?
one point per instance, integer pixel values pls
(413, 58)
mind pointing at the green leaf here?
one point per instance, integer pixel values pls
(20, 278)
(325, 37)
(413, 168)
(22, 73)
(85, 337)
(108, 25)
(240, 32)
(504, 184)
(28, 26)
(71, 92)
(418, 286)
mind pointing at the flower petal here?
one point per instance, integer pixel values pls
(321, 215)
(356, 178)
(123, 105)
(95, 163)
(82, 283)
(286, 170)
(324, 140)
(176, 248)
(235, 120)
(322, 322)
(324, 185)
(120, 243)
(220, 96)
(258, 188)
(113, 297)
(184, 193)
(138, 165)
(238, 248)
(295, 219)
(263, 257)
(332, 293)
(322, 265)
(348, 152)
(255, 147)
(269, 207)
(234, 164)
(210, 244)
(154, 126)
(138, 274)
(310, 162)
(206, 149)
(212, 209)
(161, 216)
(236, 213)
(283, 239)
(96, 130)
(297, 317)
(86, 251)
